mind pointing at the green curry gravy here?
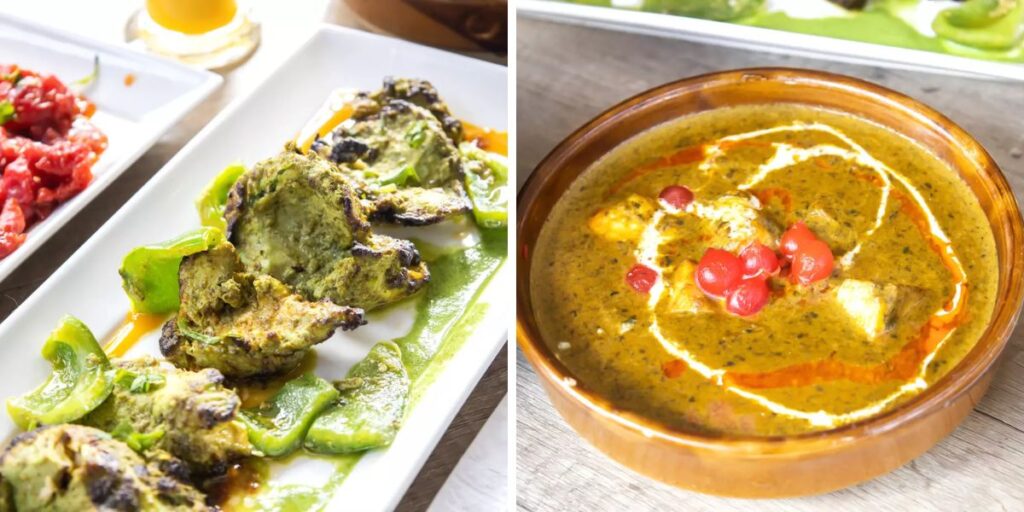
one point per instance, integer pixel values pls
(912, 289)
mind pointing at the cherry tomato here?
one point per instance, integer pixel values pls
(748, 297)
(641, 278)
(677, 196)
(759, 261)
(812, 262)
(794, 238)
(717, 271)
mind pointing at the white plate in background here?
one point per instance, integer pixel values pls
(757, 39)
(253, 128)
(133, 118)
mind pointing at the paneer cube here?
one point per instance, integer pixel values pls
(735, 222)
(623, 221)
(684, 295)
(868, 305)
(840, 238)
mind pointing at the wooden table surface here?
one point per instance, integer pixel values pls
(568, 74)
(285, 25)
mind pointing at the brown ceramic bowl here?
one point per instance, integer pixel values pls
(760, 467)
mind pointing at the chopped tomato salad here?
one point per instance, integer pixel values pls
(47, 149)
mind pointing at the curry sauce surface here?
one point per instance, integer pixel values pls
(602, 329)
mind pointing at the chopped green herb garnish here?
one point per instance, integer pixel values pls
(6, 111)
(417, 134)
(136, 440)
(91, 77)
(146, 382)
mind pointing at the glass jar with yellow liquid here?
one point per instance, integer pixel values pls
(206, 33)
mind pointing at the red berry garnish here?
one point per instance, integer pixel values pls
(641, 278)
(812, 262)
(717, 271)
(795, 237)
(676, 196)
(759, 261)
(748, 297)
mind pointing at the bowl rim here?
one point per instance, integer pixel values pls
(968, 371)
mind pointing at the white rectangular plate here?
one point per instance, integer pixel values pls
(133, 118)
(253, 128)
(759, 39)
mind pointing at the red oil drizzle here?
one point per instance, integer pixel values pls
(674, 368)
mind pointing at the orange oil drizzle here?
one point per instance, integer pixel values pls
(674, 368)
(241, 480)
(135, 326)
(88, 108)
(339, 116)
(487, 139)
(687, 155)
(904, 365)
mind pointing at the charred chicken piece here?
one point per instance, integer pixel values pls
(76, 468)
(243, 324)
(401, 144)
(290, 204)
(298, 219)
(400, 148)
(419, 206)
(188, 414)
(379, 270)
(421, 93)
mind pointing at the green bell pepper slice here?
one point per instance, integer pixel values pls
(214, 198)
(486, 178)
(149, 274)
(278, 425)
(987, 24)
(371, 406)
(80, 382)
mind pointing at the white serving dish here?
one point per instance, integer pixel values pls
(253, 128)
(133, 118)
(758, 39)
